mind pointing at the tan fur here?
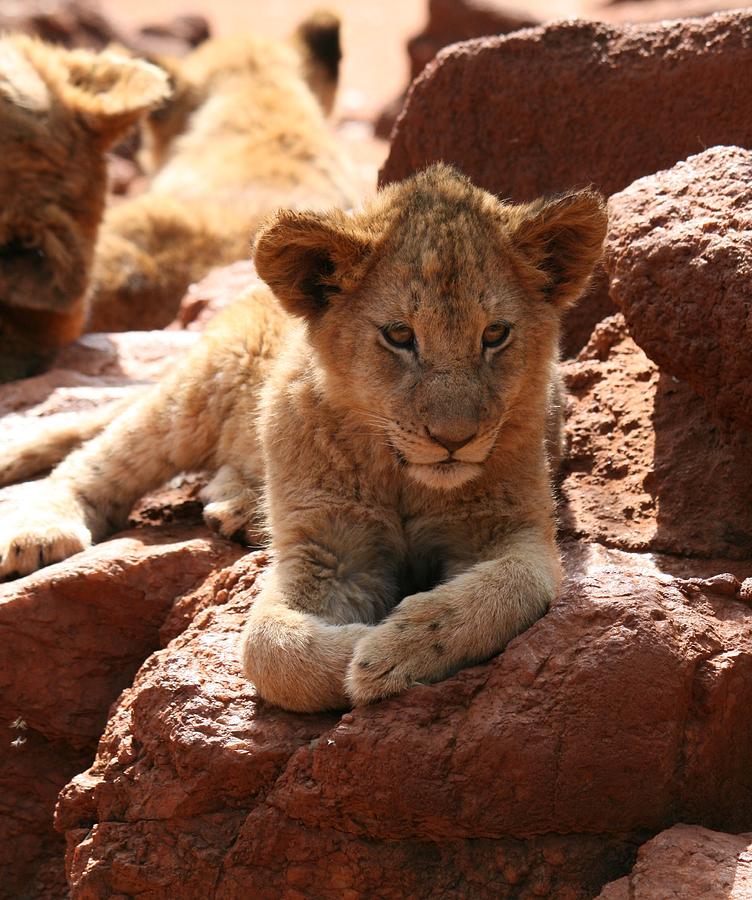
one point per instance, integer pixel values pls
(60, 111)
(243, 133)
(406, 490)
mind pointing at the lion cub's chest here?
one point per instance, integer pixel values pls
(436, 547)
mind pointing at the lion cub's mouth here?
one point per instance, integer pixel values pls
(444, 475)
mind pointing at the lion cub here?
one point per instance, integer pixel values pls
(389, 396)
(243, 133)
(60, 111)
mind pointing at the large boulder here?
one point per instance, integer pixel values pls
(688, 861)
(679, 255)
(71, 638)
(575, 103)
(533, 775)
(648, 466)
(452, 21)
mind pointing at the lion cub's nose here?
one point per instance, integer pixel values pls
(451, 444)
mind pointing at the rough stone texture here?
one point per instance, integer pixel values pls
(213, 293)
(534, 775)
(648, 467)
(512, 113)
(450, 21)
(687, 862)
(71, 638)
(574, 103)
(679, 255)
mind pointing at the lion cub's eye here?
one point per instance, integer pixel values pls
(496, 334)
(399, 335)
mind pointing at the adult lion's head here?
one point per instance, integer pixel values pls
(434, 310)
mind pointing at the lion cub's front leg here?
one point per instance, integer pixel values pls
(463, 621)
(325, 588)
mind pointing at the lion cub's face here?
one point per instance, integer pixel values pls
(434, 312)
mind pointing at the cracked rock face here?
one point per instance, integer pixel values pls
(679, 255)
(520, 128)
(534, 775)
(688, 861)
(648, 466)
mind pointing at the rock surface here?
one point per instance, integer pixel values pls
(452, 21)
(510, 111)
(213, 293)
(679, 256)
(534, 775)
(523, 115)
(71, 638)
(648, 467)
(687, 861)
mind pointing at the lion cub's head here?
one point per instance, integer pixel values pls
(434, 311)
(60, 111)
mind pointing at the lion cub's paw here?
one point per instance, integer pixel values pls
(29, 541)
(226, 517)
(394, 656)
(230, 506)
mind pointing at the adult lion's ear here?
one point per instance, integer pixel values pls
(307, 259)
(110, 90)
(560, 240)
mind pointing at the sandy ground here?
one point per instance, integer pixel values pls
(374, 69)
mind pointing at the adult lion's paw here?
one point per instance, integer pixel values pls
(31, 540)
(392, 657)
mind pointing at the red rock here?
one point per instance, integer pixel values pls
(648, 467)
(688, 861)
(451, 21)
(679, 255)
(71, 638)
(533, 775)
(547, 109)
(218, 289)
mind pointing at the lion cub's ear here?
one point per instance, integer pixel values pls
(318, 42)
(307, 259)
(110, 90)
(561, 241)
(20, 83)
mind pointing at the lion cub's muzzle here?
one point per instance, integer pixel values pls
(442, 457)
